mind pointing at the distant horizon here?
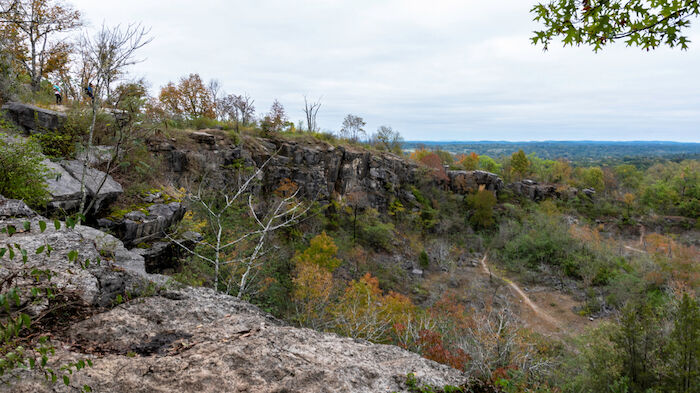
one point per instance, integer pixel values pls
(551, 141)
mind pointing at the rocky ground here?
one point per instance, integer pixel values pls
(174, 339)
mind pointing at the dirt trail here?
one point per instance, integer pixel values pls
(526, 299)
(635, 249)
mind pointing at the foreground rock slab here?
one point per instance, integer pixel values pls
(196, 340)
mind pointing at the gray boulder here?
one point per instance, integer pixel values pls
(535, 191)
(203, 138)
(64, 188)
(98, 155)
(34, 119)
(12, 208)
(464, 182)
(112, 269)
(104, 195)
(138, 227)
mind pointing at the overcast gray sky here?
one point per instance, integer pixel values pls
(433, 70)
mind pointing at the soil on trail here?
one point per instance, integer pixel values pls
(543, 310)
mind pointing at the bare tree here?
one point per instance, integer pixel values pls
(237, 108)
(246, 108)
(494, 341)
(224, 251)
(353, 128)
(35, 27)
(387, 139)
(214, 88)
(110, 52)
(311, 111)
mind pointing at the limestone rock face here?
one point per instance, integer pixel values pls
(103, 196)
(63, 187)
(321, 170)
(12, 208)
(190, 340)
(137, 227)
(34, 119)
(464, 182)
(98, 155)
(112, 270)
(195, 340)
(539, 192)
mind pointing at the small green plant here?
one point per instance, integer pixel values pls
(56, 144)
(23, 173)
(423, 260)
(18, 350)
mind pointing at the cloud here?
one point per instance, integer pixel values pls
(446, 69)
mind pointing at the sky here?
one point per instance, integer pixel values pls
(442, 70)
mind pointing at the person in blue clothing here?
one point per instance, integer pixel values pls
(57, 93)
(89, 91)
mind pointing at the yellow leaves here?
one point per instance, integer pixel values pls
(469, 162)
(35, 24)
(313, 286)
(418, 154)
(189, 223)
(313, 280)
(321, 252)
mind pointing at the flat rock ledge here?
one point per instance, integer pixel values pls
(195, 340)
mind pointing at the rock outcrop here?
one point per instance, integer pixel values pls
(112, 269)
(195, 340)
(64, 186)
(538, 192)
(535, 191)
(190, 340)
(139, 227)
(34, 119)
(464, 182)
(321, 170)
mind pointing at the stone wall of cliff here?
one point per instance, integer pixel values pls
(321, 170)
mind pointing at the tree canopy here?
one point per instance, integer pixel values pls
(596, 23)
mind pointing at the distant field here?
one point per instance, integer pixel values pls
(579, 151)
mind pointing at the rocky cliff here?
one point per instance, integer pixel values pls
(321, 170)
(175, 339)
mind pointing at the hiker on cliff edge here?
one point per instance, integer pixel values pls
(57, 93)
(89, 91)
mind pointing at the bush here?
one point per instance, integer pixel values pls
(423, 260)
(378, 235)
(481, 203)
(23, 173)
(56, 144)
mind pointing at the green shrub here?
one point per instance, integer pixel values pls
(56, 144)
(481, 203)
(423, 260)
(23, 174)
(378, 235)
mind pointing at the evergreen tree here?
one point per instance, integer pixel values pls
(520, 163)
(684, 348)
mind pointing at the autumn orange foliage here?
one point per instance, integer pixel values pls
(469, 161)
